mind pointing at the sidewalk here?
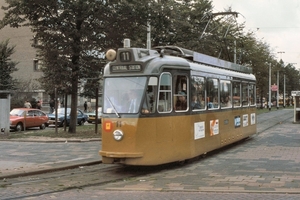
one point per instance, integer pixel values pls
(21, 157)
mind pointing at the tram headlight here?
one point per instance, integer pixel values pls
(111, 55)
(118, 135)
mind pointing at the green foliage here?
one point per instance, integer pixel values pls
(69, 36)
(7, 67)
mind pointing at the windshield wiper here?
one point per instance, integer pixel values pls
(113, 107)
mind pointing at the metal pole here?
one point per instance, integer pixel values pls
(96, 120)
(66, 105)
(56, 105)
(235, 51)
(148, 33)
(277, 103)
(270, 87)
(284, 90)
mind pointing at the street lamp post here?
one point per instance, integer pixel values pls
(280, 52)
(269, 103)
(277, 94)
(284, 90)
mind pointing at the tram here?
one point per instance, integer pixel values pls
(171, 104)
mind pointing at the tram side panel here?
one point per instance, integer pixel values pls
(204, 133)
(237, 124)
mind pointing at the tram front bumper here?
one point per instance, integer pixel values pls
(121, 154)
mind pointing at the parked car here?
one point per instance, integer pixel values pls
(81, 117)
(22, 118)
(92, 116)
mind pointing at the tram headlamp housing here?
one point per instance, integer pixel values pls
(118, 135)
(111, 55)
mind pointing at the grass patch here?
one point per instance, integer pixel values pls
(85, 131)
(82, 132)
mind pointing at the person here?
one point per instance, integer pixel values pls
(195, 103)
(132, 102)
(89, 107)
(27, 104)
(38, 105)
(85, 106)
(52, 105)
(181, 104)
(228, 102)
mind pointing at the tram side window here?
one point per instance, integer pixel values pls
(212, 93)
(236, 96)
(252, 94)
(245, 95)
(225, 93)
(198, 93)
(149, 104)
(165, 90)
(181, 95)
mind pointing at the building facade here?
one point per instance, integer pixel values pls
(28, 68)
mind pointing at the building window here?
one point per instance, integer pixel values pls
(37, 65)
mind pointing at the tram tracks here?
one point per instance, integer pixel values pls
(59, 181)
(72, 179)
(265, 121)
(94, 175)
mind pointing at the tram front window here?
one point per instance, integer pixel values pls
(123, 95)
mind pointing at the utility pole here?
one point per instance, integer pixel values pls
(269, 103)
(280, 52)
(277, 102)
(148, 32)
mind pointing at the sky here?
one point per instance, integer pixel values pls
(276, 22)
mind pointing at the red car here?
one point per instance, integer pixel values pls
(22, 118)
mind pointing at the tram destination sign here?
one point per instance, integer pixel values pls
(125, 68)
(295, 93)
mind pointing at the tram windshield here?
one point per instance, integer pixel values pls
(123, 95)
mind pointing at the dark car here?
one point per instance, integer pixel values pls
(22, 118)
(81, 117)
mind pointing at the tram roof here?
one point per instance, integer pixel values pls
(202, 58)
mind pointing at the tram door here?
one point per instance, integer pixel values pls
(172, 104)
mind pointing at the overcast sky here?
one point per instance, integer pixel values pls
(276, 22)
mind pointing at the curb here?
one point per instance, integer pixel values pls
(52, 140)
(52, 169)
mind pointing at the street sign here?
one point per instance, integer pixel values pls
(295, 93)
(274, 88)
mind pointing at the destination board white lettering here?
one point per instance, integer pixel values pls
(125, 68)
(134, 67)
(119, 68)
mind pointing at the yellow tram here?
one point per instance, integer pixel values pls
(171, 104)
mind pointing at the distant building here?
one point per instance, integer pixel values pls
(25, 54)
(29, 66)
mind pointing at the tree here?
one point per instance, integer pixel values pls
(7, 67)
(66, 32)
(70, 35)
